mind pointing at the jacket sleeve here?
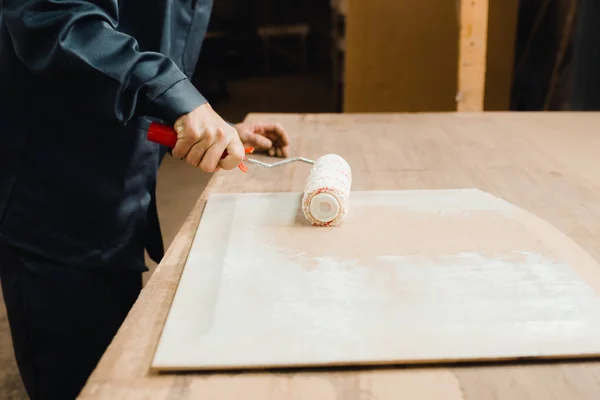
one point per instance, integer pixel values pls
(73, 45)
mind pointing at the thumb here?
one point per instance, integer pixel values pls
(235, 155)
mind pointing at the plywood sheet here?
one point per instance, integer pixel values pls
(411, 277)
(401, 56)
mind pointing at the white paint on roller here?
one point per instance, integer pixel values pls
(325, 198)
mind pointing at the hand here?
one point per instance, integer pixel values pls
(266, 137)
(203, 136)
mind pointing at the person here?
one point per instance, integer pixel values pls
(81, 81)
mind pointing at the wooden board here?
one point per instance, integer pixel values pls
(401, 56)
(415, 276)
(546, 163)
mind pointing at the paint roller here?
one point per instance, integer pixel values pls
(325, 199)
(327, 191)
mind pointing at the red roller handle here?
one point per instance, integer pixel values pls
(165, 135)
(162, 134)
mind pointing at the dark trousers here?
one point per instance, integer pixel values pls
(62, 319)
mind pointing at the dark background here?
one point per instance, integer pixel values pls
(557, 57)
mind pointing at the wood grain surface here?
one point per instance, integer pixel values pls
(546, 163)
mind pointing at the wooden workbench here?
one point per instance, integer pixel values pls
(548, 164)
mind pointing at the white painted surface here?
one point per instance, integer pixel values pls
(411, 276)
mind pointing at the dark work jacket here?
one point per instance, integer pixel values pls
(80, 81)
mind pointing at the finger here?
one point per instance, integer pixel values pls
(271, 151)
(277, 131)
(283, 135)
(285, 151)
(235, 154)
(214, 153)
(183, 143)
(196, 152)
(258, 141)
(280, 149)
(275, 139)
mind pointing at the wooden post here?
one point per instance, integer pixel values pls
(472, 55)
